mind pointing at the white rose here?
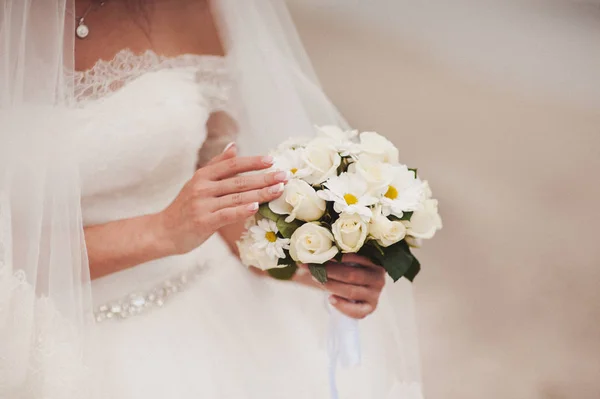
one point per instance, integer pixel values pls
(312, 243)
(350, 232)
(323, 159)
(377, 174)
(251, 221)
(413, 242)
(378, 147)
(252, 256)
(427, 194)
(300, 201)
(386, 232)
(425, 222)
(247, 254)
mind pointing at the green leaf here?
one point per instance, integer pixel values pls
(319, 272)
(398, 260)
(372, 251)
(330, 214)
(338, 257)
(406, 215)
(287, 260)
(346, 161)
(376, 245)
(413, 170)
(284, 273)
(267, 213)
(412, 272)
(287, 229)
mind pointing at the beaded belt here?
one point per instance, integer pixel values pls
(141, 302)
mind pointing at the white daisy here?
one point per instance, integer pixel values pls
(350, 194)
(292, 143)
(342, 140)
(265, 237)
(405, 193)
(292, 161)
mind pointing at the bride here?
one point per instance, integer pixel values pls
(158, 93)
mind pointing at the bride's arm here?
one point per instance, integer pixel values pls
(213, 198)
(125, 243)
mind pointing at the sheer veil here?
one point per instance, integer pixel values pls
(45, 301)
(44, 278)
(277, 93)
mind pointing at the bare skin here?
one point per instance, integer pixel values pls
(212, 201)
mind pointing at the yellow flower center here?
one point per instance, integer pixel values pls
(294, 170)
(391, 193)
(350, 199)
(270, 236)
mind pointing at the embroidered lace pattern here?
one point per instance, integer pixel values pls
(106, 77)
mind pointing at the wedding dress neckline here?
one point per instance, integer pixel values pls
(107, 76)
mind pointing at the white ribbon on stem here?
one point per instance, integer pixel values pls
(343, 345)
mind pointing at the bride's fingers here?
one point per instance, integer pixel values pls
(356, 275)
(234, 166)
(229, 151)
(355, 310)
(228, 216)
(261, 196)
(360, 260)
(352, 292)
(243, 183)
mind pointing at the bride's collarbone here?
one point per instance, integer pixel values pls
(168, 28)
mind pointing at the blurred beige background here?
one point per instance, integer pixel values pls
(508, 301)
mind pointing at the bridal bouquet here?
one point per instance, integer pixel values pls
(348, 193)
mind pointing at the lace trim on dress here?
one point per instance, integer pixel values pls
(106, 77)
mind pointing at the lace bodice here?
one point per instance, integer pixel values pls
(105, 77)
(143, 121)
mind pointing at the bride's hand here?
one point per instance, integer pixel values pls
(216, 196)
(355, 290)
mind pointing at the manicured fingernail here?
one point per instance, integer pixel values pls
(228, 146)
(276, 188)
(301, 272)
(332, 300)
(253, 206)
(268, 160)
(282, 176)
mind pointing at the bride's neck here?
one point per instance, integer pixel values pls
(168, 27)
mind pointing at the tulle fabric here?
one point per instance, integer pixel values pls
(44, 280)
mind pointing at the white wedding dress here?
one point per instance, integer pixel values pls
(198, 325)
